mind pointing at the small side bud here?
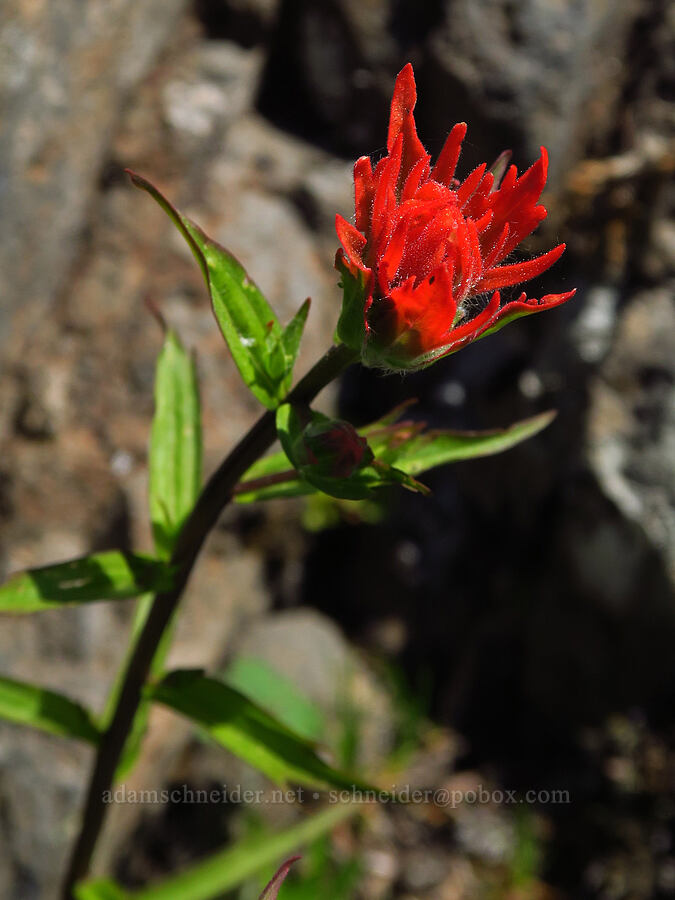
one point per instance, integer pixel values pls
(334, 449)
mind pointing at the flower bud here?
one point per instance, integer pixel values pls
(334, 449)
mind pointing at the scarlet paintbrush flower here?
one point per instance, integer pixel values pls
(423, 264)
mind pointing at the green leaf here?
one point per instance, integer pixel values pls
(404, 446)
(436, 448)
(267, 687)
(225, 870)
(101, 889)
(112, 575)
(259, 347)
(175, 444)
(247, 730)
(291, 338)
(28, 704)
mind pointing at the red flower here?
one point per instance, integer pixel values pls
(423, 267)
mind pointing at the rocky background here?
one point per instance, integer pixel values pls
(528, 606)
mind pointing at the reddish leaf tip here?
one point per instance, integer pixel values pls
(271, 890)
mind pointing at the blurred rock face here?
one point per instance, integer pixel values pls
(208, 109)
(540, 72)
(65, 70)
(521, 74)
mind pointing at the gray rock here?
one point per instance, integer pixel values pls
(631, 441)
(212, 87)
(530, 73)
(65, 70)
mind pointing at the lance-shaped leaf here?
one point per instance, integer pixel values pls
(29, 704)
(271, 891)
(245, 729)
(112, 575)
(291, 337)
(266, 686)
(406, 446)
(424, 450)
(263, 352)
(229, 868)
(330, 455)
(175, 444)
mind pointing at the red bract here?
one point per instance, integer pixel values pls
(424, 262)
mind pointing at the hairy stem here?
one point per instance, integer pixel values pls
(214, 497)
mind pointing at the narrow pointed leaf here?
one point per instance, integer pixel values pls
(247, 321)
(112, 575)
(247, 730)
(266, 686)
(29, 704)
(271, 892)
(437, 448)
(292, 335)
(175, 444)
(229, 868)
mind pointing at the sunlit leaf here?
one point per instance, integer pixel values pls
(101, 889)
(267, 687)
(429, 449)
(29, 704)
(291, 337)
(175, 444)
(262, 351)
(112, 575)
(247, 730)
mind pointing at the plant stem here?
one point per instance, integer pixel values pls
(257, 484)
(214, 497)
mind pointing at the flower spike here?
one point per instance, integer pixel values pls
(424, 263)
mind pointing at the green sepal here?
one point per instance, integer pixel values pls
(351, 327)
